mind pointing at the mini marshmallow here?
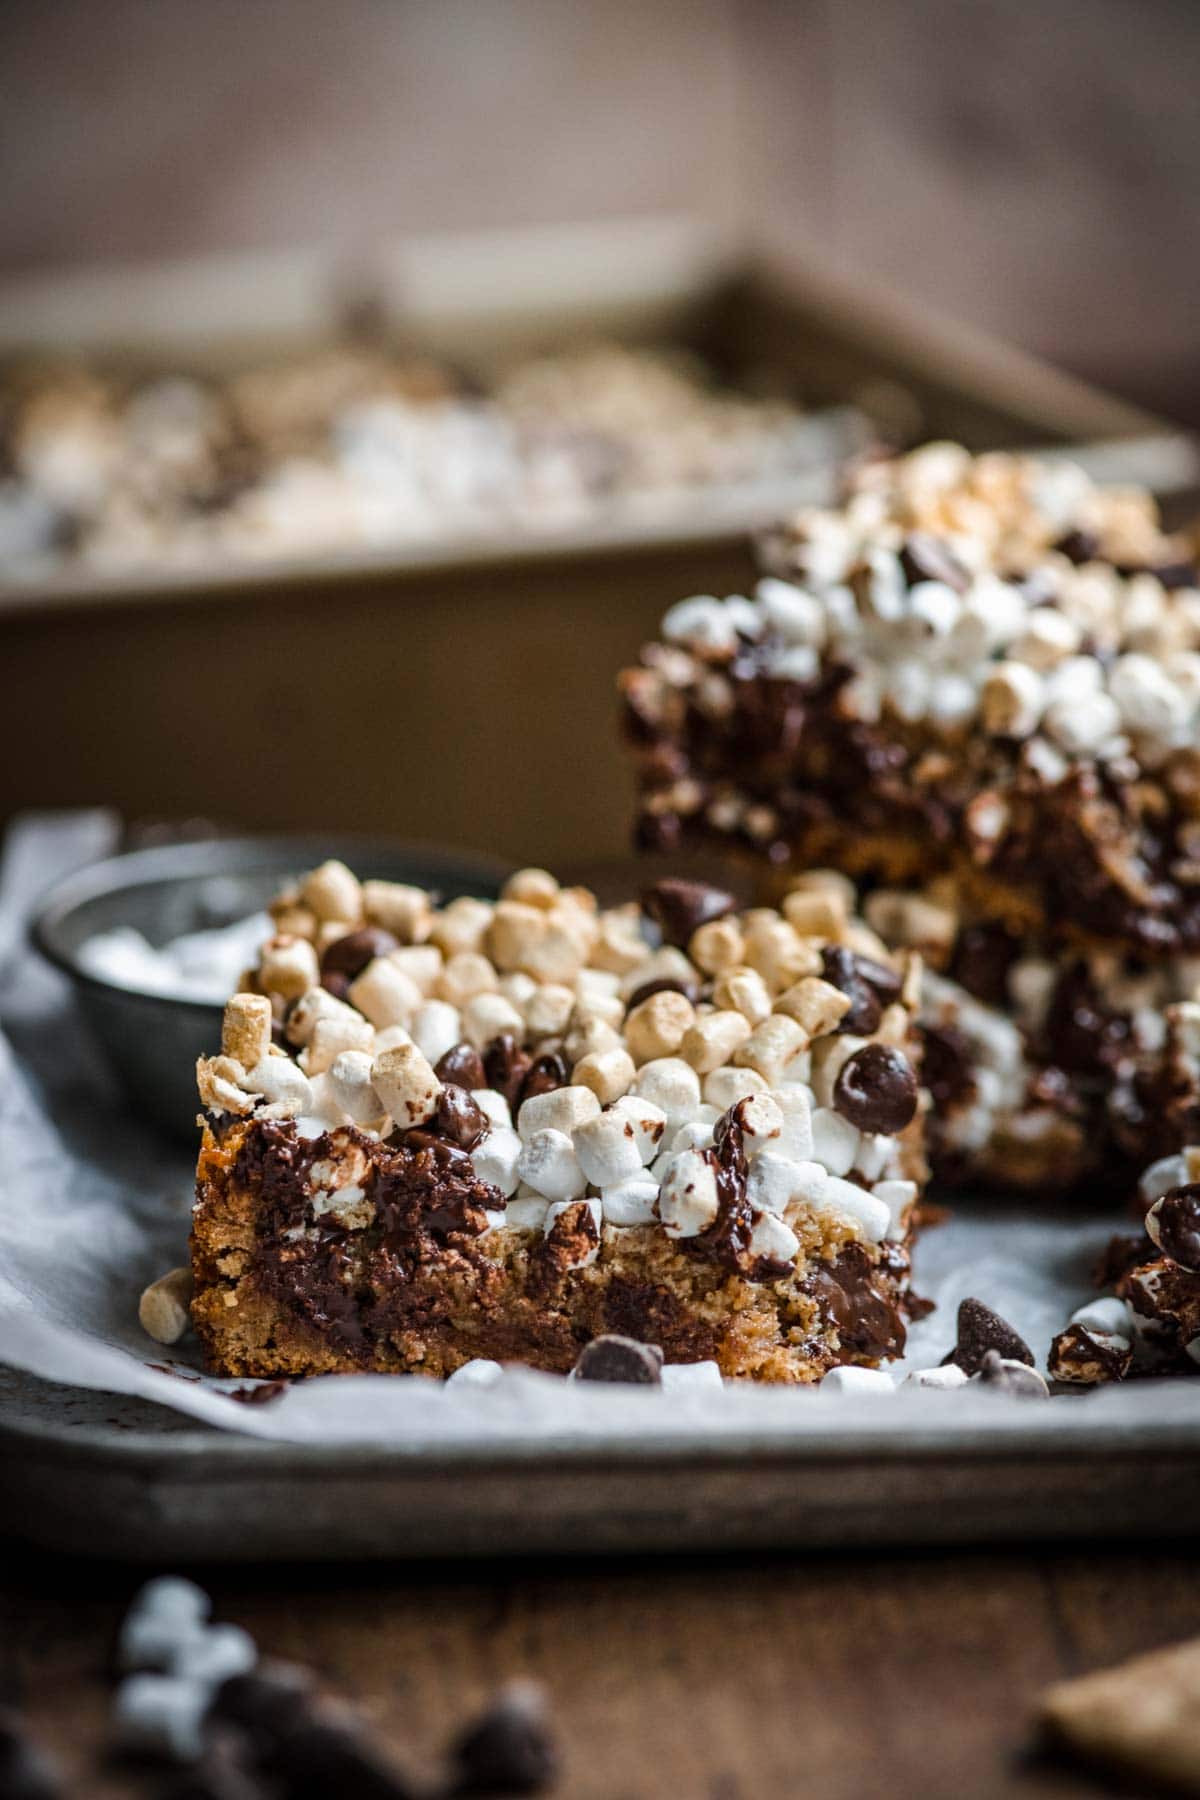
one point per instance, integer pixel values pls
(548, 1009)
(700, 623)
(462, 925)
(463, 976)
(672, 1085)
(517, 987)
(164, 1310)
(495, 1160)
(246, 1029)
(1011, 700)
(1049, 637)
(697, 1135)
(771, 1183)
(588, 1036)
(390, 1038)
(743, 990)
(281, 1083)
(658, 1026)
(630, 1202)
(332, 892)
(814, 1005)
(1108, 1317)
(288, 967)
(562, 1109)
(761, 1122)
(407, 1085)
(724, 1087)
(348, 1206)
(384, 994)
(713, 1038)
(946, 1375)
(835, 1141)
(795, 1133)
(592, 1237)
(550, 1166)
(532, 887)
(771, 1046)
(685, 1378)
(717, 946)
(436, 1027)
(773, 1239)
(687, 1202)
(422, 963)
(649, 1123)
(855, 1204)
(774, 947)
(215, 1655)
(494, 1105)
(399, 908)
(829, 1057)
(161, 1715)
(898, 1196)
(667, 964)
(488, 1016)
(481, 1372)
(526, 1212)
(1085, 724)
(353, 1090)
(847, 1378)
(607, 1148)
(314, 1004)
(609, 1074)
(338, 1032)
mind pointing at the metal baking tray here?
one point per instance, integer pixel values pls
(92, 1473)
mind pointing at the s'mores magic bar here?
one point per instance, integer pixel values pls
(974, 686)
(436, 1133)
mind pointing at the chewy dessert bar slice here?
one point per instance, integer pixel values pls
(500, 1130)
(976, 682)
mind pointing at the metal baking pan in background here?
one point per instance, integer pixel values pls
(463, 691)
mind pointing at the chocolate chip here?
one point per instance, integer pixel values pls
(1181, 574)
(460, 1118)
(221, 1774)
(926, 558)
(664, 984)
(946, 1065)
(546, 1072)
(506, 1066)
(1007, 1375)
(980, 1330)
(25, 1773)
(847, 972)
(876, 1090)
(324, 1757)
(261, 1394)
(1177, 1222)
(983, 956)
(509, 1749)
(615, 1358)
(264, 1703)
(679, 907)
(350, 955)
(1079, 546)
(462, 1067)
(335, 984)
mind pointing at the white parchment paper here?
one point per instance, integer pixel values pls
(93, 1206)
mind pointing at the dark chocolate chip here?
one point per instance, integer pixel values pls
(1008, 1375)
(983, 956)
(265, 1703)
(946, 1065)
(679, 907)
(546, 1073)
(1177, 1219)
(1079, 546)
(460, 1118)
(657, 834)
(335, 984)
(506, 1066)
(350, 955)
(25, 1773)
(663, 984)
(980, 1330)
(615, 1358)
(926, 558)
(876, 1089)
(1181, 574)
(510, 1748)
(324, 1757)
(462, 1067)
(842, 969)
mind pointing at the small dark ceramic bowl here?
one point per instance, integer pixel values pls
(153, 1042)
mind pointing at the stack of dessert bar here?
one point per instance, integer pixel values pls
(974, 687)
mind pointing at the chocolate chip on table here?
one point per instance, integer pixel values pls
(1174, 1224)
(679, 907)
(924, 557)
(25, 1773)
(461, 1066)
(1008, 1375)
(460, 1118)
(663, 984)
(616, 1358)
(509, 1749)
(876, 1090)
(980, 1330)
(506, 1066)
(350, 955)
(546, 1073)
(324, 1757)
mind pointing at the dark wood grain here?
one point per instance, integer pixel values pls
(839, 1678)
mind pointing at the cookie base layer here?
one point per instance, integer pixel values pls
(428, 1281)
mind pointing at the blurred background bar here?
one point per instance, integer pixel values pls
(898, 218)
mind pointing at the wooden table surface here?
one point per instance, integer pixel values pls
(841, 1679)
